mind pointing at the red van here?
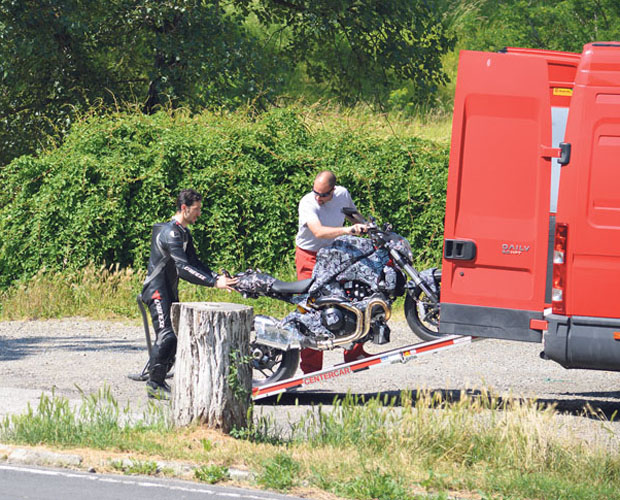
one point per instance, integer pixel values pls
(532, 228)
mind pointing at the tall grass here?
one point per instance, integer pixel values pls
(508, 447)
(108, 293)
(396, 449)
(434, 125)
(98, 292)
(98, 422)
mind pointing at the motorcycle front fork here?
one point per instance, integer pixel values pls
(415, 277)
(419, 283)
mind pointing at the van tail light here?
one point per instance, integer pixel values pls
(558, 290)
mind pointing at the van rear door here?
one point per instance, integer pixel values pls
(584, 329)
(590, 202)
(498, 204)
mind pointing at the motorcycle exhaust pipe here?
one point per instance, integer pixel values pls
(363, 323)
(268, 333)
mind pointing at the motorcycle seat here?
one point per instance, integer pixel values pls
(288, 287)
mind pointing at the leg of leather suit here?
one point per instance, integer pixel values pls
(165, 346)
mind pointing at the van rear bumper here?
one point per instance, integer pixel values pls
(583, 342)
(490, 322)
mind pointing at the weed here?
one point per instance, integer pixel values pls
(280, 472)
(261, 430)
(136, 467)
(374, 485)
(207, 444)
(240, 375)
(212, 474)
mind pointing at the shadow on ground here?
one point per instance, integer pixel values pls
(13, 349)
(571, 403)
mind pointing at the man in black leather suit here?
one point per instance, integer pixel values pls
(173, 256)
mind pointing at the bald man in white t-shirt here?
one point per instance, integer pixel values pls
(321, 221)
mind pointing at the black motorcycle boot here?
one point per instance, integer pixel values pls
(156, 386)
(155, 390)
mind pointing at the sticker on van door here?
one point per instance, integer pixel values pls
(514, 248)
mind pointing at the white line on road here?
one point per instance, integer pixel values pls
(146, 484)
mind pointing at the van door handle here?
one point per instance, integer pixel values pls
(459, 250)
(565, 148)
(563, 152)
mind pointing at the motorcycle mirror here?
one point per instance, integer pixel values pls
(352, 215)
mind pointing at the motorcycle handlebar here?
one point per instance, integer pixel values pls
(377, 234)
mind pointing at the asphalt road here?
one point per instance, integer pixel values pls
(26, 482)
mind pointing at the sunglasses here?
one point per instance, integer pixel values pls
(323, 195)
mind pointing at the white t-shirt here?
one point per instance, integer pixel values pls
(329, 214)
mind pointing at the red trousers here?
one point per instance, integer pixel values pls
(312, 360)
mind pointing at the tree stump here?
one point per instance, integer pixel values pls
(212, 375)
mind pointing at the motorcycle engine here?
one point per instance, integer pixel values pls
(338, 320)
(355, 290)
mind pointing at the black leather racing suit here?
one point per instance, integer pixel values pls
(172, 256)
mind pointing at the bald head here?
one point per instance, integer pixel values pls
(326, 178)
(323, 187)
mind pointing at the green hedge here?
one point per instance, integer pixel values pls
(95, 198)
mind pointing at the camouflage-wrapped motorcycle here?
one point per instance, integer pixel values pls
(348, 300)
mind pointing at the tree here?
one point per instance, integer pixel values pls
(60, 57)
(544, 24)
(359, 47)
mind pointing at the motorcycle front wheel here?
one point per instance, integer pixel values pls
(422, 315)
(272, 365)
